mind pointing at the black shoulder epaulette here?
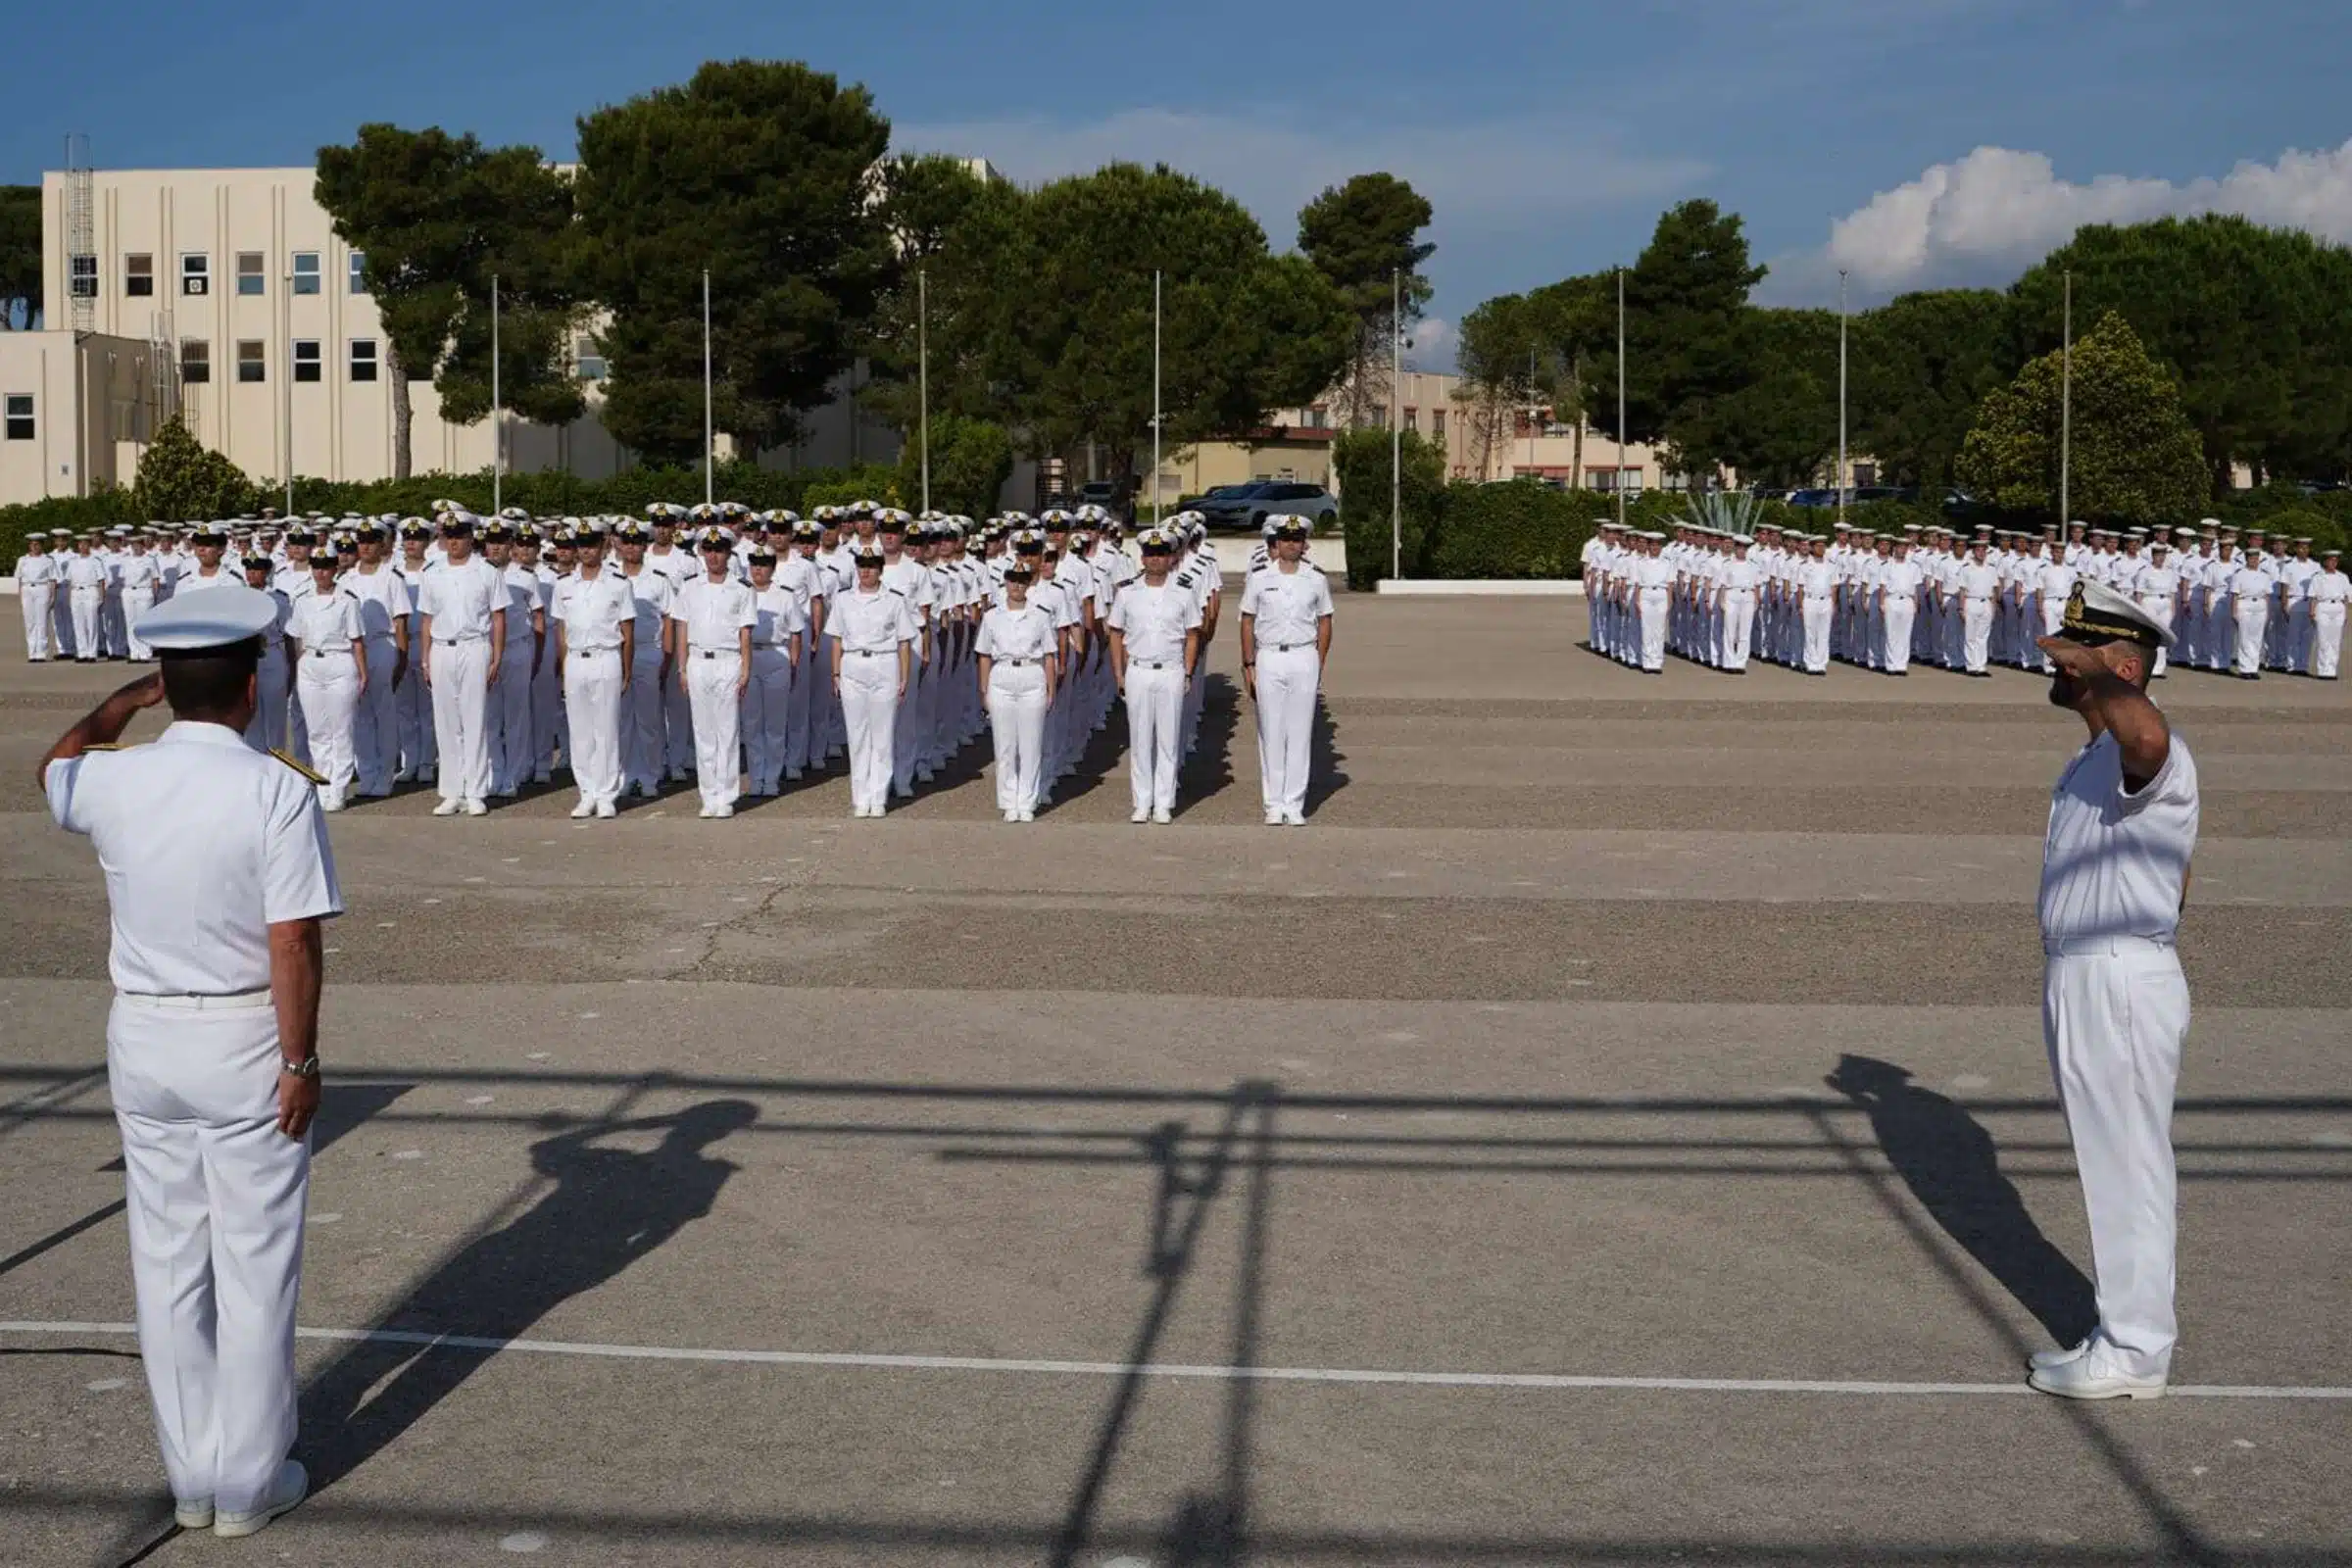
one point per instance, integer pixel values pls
(293, 763)
(900, 592)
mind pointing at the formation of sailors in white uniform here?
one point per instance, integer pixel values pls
(739, 649)
(1961, 601)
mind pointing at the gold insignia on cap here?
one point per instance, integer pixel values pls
(2079, 617)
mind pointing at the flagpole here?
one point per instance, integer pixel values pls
(709, 444)
(498, 423)
(1841, 397)
(1156, 297)
(922, 359)
(1396, 425)
(1619, 487)
(2066, 411)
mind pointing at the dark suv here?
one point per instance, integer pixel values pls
(1247, 506)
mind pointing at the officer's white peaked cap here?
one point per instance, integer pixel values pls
(2097, 609)
(208, 617)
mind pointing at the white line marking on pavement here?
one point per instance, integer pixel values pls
(1036, 1367)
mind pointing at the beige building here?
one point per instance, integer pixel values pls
(230, 291)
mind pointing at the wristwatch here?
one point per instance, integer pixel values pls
(298, 1069)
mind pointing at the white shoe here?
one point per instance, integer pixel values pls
(583, 810)
(189, 1513)
(794, 774)
(722, 811)
(1273, 819)
(448, 808)
(2041, 1360)
(330, 806)
(1139, 814)
(477, 808)
(605, 809)
(293, 1485)
(509, 793)
(2090, 1376)
(1296, 819)
(1163, 817)
(705, 814)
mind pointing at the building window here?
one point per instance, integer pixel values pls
(1437, 423)
(307, 362)
(138, 277)
(195, 274)
(195, 361)
(1412, 420)
(251, 365)
(82, 276)
(19, 416)
(249, 272)
(363, 358)
(590, 357)
(306, 271)
(1319, 416)
(359, 271)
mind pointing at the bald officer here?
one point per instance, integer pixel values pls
(217, 874)
(2115, 1008)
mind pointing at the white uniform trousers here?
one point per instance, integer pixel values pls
(214, 1195)
(1653, 629)
(2326, 639)
(1286, 725)
(870, 708)
(272, 685)
(677, 729)
(508, 719)
(717, 723)
(136, 602)
(376, 722)
(592, 699)
(38, 606)
(1155, 708)
(906, 734)
(1900, 613)
(2159, 607)
(1739, 626)
(2114, 1020)
(550, 725)
(2253, 617)
(803, 734)
(767, 720)
(84, 603)
(931, 747)
(2221, 633)
(1976, 620)
(1016, 716)
(461, 719)
(643, 709)
(328, 686)
(1817, 633)
(413, 706)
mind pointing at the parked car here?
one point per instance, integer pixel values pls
(1247, 506)
(1117, 496)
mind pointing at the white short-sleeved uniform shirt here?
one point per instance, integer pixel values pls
(460, 599)
(36, 571)
(777, 616)
(592, 611)
(86, 574)
(651, 593)
(381, 594)
(522, 599)
(327, 623)
(714, 613)
(2114, 863)
(1023, 633)
(872, 623)
(206, 844)
(1286, 606)
(1153, 621)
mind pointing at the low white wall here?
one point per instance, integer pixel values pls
(1480, 587)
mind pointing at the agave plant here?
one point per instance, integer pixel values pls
(1724, 511)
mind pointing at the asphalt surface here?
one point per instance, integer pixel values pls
(1615, 1130)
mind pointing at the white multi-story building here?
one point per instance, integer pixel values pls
(224, 294)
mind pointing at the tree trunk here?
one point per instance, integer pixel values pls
(404, 417)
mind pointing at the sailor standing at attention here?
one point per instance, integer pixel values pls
(217, 873)
(36, 595)
(1285, 636)
(714, 614)
(1154, 642)
(463, 607)
(2115, 866)
(328, 641)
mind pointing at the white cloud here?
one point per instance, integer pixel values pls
(1516, 174)
(1986, 217)
(1430, 345)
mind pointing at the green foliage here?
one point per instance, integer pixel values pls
(970, 460)
(762, 172)
(182, 480)
(19, 256)
(82, 514)
(1779, 425)
(1361, 461)
(1519, 528)
(2300, 523)
(1685, 300)
(870, 481)
(1920, 366)
(945, 224)
(2135, 457)
(1361, 236)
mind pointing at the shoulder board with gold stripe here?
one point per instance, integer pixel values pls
(296, 764)
(105, 745)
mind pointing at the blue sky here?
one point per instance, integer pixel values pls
(1912, 141)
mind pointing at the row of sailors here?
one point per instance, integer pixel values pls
(695, 658)
(1881, 600)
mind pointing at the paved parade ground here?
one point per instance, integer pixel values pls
(1615, 1129)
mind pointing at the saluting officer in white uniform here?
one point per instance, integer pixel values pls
(217, 874)
(1155, 641)
(2114, 1008)
(1286, 635)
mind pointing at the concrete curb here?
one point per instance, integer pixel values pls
(1479, 588)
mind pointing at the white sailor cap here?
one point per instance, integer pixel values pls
(206, 618)
(2097, 613)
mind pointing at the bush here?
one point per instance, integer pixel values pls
(1360, 460)
(970, 460)
(870, 481)
(1518, 528)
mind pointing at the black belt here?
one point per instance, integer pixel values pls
(868, 652)
(1019, 663)
(1159, 664)
(322, 653)
(452, 642)
(1285, 648)
(716, 653)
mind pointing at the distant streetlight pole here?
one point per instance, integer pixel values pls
(1841, 397)
(922, 361)
(709, 441)
(288, 294)
(1396, 425)
(498, 420)
(2066, 411)
(1620, 475)
(1155, 296)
